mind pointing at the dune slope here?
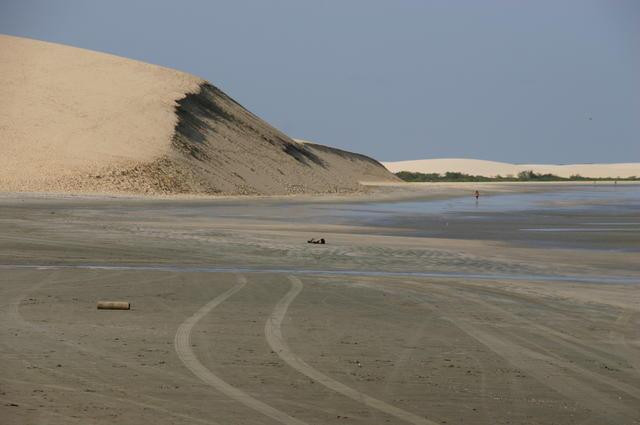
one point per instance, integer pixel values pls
(73, 120)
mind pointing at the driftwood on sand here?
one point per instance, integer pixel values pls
(114, 305)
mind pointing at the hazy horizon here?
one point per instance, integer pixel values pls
(532, 82)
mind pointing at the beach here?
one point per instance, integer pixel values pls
(423, 307)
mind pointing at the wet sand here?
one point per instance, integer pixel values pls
(233, 323)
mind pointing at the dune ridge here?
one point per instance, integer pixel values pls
(493, 168)
(75, 120)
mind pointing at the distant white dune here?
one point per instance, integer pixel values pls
(492, 168)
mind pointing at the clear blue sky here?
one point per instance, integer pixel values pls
(503, 80)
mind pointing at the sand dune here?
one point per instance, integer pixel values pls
(493, 168)
(73, 120)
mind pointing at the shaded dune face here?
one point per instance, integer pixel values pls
(230, 150)
(200, 114)
(74, 120)
(220, 148)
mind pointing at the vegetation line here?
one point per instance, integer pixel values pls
(523, 176)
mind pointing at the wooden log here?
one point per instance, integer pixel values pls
(114, 305)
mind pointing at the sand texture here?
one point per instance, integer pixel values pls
(73, 120)
(492, 168)
(228, 324)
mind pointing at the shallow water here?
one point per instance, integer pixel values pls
(602, 197)
(600, 216)
(584, 217)
(372, 273)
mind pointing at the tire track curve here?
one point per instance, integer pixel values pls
(273, 333)
(121, 400)
(550, 371)
(625, 322)
(561, 340)
(182, 344)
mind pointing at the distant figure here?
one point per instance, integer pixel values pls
(320, 241)
(477, 195)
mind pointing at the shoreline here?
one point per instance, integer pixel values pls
(374, 192)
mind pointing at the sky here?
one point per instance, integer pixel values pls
(535, 81)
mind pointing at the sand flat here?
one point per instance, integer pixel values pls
(485, 341)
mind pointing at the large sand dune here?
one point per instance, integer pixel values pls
(73, 120)
(492, 168)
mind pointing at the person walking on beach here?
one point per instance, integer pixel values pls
(477, 195)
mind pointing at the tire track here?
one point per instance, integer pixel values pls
(10, 314)
(564, 340)
(551, 372)
(568, 340)
(560, 339)
(121, 400)
(273, 333)
(187, 356)
(624, 322)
